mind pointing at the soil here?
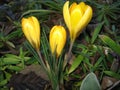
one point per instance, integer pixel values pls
(31, 78)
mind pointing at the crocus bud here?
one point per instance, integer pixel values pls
(57, 39)
(76, 17)
(31, 30)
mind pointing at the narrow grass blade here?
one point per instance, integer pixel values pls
(112, 44)
(96, 32)
(112, 74)
(75, 63)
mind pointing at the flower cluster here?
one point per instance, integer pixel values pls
(76, 17)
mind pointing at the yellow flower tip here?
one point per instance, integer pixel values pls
(57, 39)
(31, 30)
(72, 6)
(82, 5)
(66, 15)
(76, 17)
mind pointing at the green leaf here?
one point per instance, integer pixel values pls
(8, 75)
(15, 68)
(3, 82)
(108, 41)
(106, 21)
(12, 56)
(96, 32)
(1, 44)
(1, 76)
(75, 63)
(10, 44)
(97, 64)
(11, 61)
(90, 82)
(112, 74)
(37, 11)
(100, 16)
(22, 57)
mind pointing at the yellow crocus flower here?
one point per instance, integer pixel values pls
(57, 39)
(31, 30)
(76, 17)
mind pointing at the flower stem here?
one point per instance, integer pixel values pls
(68, 56)
(42, 62)
(69, 52)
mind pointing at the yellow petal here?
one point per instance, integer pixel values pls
(66, 15)
(62, 40)
(72, 6)
(84, 20)
(36, 26)
(75, 16)
(57, 39)
(52, 39)
(31, 30)
(83, 6)
(25, 28)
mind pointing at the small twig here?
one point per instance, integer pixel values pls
(114, 85)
